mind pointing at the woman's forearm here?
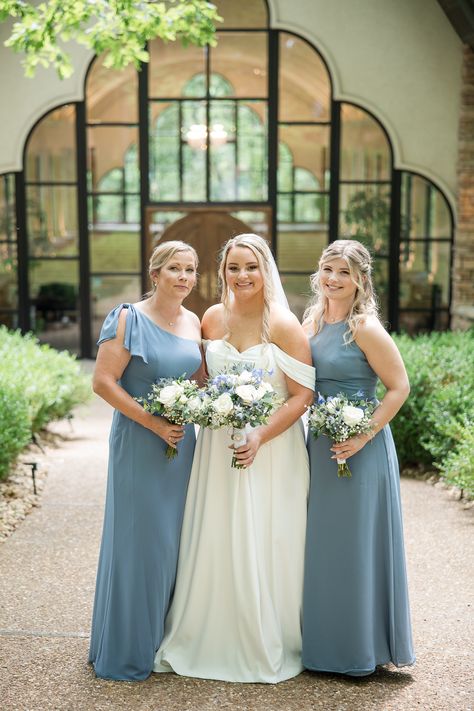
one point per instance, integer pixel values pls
(388, 408)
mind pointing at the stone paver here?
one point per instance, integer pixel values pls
(47, 577)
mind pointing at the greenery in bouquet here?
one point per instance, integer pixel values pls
(179, 400)
(341, 417)
(238, 397)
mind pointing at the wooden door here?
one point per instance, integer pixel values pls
(207, 231)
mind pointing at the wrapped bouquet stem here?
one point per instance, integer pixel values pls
(341, 417)
(239, 437)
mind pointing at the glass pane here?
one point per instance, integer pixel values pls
(109, 148)
(223, 150)
(242, 14)
(300, 250)
(424, 274)
(51, 149)
(285, 168)
(160, 220)
(194, 174)
(257, 220)
(7, 208)
(305, 88)
(9, 320)
(8, 276)
(311, 208)
(298, 292)
(114, 209)
(252, 151)
(309, 147)
(107, 292)
(111, 94)
(171, 68)
(52, 221)
(380, 277)
(116, 251)
(241, 58)
(165, 138)
(285, 208)
(413, 322)
(54, 295)
(365, 215)
(365, 151)
(425, 211)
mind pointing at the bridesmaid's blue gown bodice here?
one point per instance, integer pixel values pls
(355, 604)
(144, 509)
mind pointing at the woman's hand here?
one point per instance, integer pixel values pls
(346, 449)
(171, 434)
(246, 454)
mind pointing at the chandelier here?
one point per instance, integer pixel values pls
(196, 137)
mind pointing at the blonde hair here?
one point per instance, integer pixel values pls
(263, 256)
(359, 262)
(163, 253)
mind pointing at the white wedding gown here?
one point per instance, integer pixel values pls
(236, 610)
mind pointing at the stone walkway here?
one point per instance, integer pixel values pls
(47, 576)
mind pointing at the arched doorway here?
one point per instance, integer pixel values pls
(206, 229)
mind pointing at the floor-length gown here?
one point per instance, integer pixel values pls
(144, 509)
(355, 605)
(236, 612)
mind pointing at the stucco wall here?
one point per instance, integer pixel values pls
(401, 59)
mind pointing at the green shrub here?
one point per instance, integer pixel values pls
(15, 430)
(457, 467)
(48, 383)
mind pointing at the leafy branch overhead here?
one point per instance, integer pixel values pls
(120, 28)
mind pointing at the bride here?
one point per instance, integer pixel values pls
(236, 609)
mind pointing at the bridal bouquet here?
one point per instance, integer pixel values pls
(236, 398)
(180, 401)
(340, 418)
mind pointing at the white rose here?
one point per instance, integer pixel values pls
(352, 415)
(247, 393)
(332, 404)
(183, 399)
(195, 403)
(223, 405)
(261, 391)
(170, 394)
(268, 388)
(244, 377)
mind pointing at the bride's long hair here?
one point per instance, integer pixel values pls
(263, 256)
(359, 262)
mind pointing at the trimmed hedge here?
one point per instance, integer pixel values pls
(435, 424)
(37, 385)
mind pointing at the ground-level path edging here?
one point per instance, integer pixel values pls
(47, 577)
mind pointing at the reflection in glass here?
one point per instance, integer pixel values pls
(365, 215)
(52, 220)
(107, 292)
(298, 292)
(424, 274)
(242, 59)
(413, 322)
(8, 276)
(304, 85)
(365, 150)
(54, 294)
(7, 208)
(112, 94)
(112, 147)
(164, 151)
(114, 209)
(116, 251)
(309, 147)
(51, 148)
(172, 66)
(425, 211)
(380, 278)
(311, 208)
(242, 14)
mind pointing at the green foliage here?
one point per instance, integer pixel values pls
(458, 466)
(39, 385)
(121, 28)
(432, 424)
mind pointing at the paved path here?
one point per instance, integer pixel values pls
(47, 575)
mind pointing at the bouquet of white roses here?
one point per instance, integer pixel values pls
(177, 399)
(341, 417)
(236, 398)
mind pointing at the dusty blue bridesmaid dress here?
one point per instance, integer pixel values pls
(355, 603)
(143, 511)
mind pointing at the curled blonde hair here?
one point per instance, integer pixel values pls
(263, 256)
(163, 253)
(359, 262)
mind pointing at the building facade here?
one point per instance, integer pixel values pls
(309, 121)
